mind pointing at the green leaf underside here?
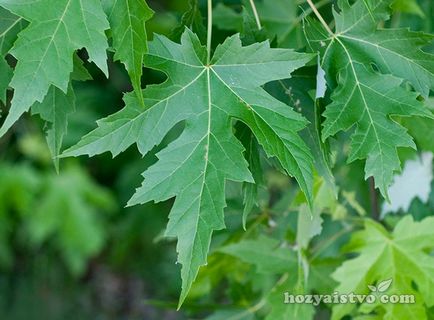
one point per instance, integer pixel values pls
(194, 167)
(127, 21)
(366, 98)
(44, 49)
(398, 256)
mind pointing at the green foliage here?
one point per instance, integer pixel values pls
(400, 256)
(347, 56)
(127, 22)
(265, 254)
(260, 142)
(207, 97)
(65, 211)
(45, 48)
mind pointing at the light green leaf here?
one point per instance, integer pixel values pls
(309, 225)
(70, 210)
(280, 310)
(194, 168)
(364, 98)
(399, 256)
(127, 21)
(44, 49)
(265, 253)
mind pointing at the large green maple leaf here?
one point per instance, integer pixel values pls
(208, 96)
(400, 256)
(44, 49)
(366, 97)
(127, 21)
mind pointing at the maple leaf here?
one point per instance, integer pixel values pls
(399, 256)
(367, 98)
(194, 167)
(127, 22)
(45, 48)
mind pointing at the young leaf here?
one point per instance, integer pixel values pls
(127, 21)
(400, 257)
(194, 168)
(365, 98)
(44, 49)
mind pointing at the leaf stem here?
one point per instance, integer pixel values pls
(209, 31)
(255, 13)
(320, 18)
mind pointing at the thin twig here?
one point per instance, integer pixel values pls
(320, 18)
(255, 13)
(209, 32)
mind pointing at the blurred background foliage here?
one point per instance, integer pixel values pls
(69, 249)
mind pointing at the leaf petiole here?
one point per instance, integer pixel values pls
(255, 13)
(209, 32)
(320, 18)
